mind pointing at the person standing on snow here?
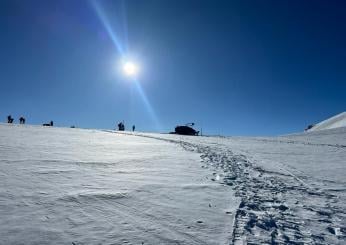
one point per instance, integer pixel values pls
(22, 120)
(9, 119)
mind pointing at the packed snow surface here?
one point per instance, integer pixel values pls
(337, 121)
(74, 186)
(292, 188)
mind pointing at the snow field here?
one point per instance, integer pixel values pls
(292, 188)
(89, 186)
(73, 186)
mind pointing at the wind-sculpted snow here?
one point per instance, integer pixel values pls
(280, 203)
(73, 186)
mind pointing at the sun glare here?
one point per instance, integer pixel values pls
(130, 69)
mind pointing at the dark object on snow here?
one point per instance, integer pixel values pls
(133, 128)
(9, 119)
(22, 120)
(186, 130)
(121, 126)
(309, 127)
(48, 124)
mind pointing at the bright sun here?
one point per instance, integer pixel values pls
(130, 69)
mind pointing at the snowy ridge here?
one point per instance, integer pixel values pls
(330, 123)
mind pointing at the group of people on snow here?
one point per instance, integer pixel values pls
(121, 127)
(10, 119)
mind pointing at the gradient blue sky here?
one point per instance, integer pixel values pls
(232, 67)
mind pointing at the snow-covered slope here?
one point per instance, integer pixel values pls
(74, 186)
(292, 188)
(333, 122)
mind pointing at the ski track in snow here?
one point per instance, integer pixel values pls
(276, 207)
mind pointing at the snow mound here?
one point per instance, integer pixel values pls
(337, 121)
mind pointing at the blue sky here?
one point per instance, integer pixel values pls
(232, 67)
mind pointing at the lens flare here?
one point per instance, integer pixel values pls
(120, 40)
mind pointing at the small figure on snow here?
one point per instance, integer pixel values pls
(309, 127)
(9, 119)
(121, 126)
(133, 128)
(48, 124)
(22, 120)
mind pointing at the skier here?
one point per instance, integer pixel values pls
(133, 128)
